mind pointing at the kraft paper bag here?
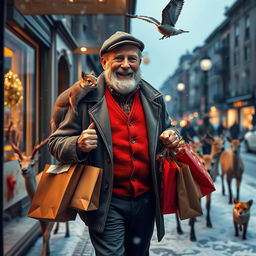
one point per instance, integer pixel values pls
(87, 193)
(188, 193)
(54, 192)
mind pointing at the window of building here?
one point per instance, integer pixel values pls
(247, 52)
(237, 33)
(235, 91)
(236, 58)
(20, 94)
(247, 27)
(246, 117)
(246, 76)
(232, 116)
(217, 46)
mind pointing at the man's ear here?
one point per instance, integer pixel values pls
(103, 62)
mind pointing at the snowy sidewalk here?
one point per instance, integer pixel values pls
(216, 241)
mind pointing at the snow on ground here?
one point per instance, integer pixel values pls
(217, 241)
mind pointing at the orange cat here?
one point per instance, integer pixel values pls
(70, 97)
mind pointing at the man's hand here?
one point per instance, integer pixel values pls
(88, 139)
(169, 138)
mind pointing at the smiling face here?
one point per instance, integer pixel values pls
(122, 68)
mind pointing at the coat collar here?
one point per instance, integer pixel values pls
(99, 113)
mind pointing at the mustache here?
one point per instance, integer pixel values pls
(122, 86)
(136, 75)
(127, 72)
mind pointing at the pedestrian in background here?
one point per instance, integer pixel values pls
(221, 129)
(205, 132)
(187, 132)
(234, 131)
(120, 126)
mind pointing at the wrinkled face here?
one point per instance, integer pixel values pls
(122, 68)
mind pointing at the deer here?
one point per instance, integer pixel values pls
(211, 164)
(232, 166)
(27, 164)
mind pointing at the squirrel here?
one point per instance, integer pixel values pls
(70, 98)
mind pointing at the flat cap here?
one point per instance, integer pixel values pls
(118, 39)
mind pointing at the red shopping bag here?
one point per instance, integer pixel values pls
(168, 191)
(185, 154)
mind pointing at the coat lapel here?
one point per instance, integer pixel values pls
(99, 114)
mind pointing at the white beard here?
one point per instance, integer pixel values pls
(123, 86)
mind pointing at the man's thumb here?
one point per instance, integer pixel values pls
(91, 126)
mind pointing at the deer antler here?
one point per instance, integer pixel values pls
(38, 146)
(10, 137)
(241, 139)
(204, 139)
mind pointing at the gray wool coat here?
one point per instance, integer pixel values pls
(93, 107)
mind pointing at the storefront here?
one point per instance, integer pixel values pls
(39, 64)
(21, 131)
(241, 110)
(232, 116)
(246, 117)
(20, 93)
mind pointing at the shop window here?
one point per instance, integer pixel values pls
(20, 94)
(246, 117)
(232, 117)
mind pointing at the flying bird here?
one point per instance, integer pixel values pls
(170, 15)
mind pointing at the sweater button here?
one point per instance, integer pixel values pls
(132, 140)
(130, 123)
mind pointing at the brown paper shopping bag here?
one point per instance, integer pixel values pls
(188, 193)
(54, 192)
(87, 193)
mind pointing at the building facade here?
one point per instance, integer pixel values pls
(241, 92)
(228, 92)
(43, 56)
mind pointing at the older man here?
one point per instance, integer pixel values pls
(120, 126)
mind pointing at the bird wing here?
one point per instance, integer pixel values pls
(146, 18)
(171, 12)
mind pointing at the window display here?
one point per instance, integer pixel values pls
(20, 94)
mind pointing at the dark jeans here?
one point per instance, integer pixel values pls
(129, 227)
